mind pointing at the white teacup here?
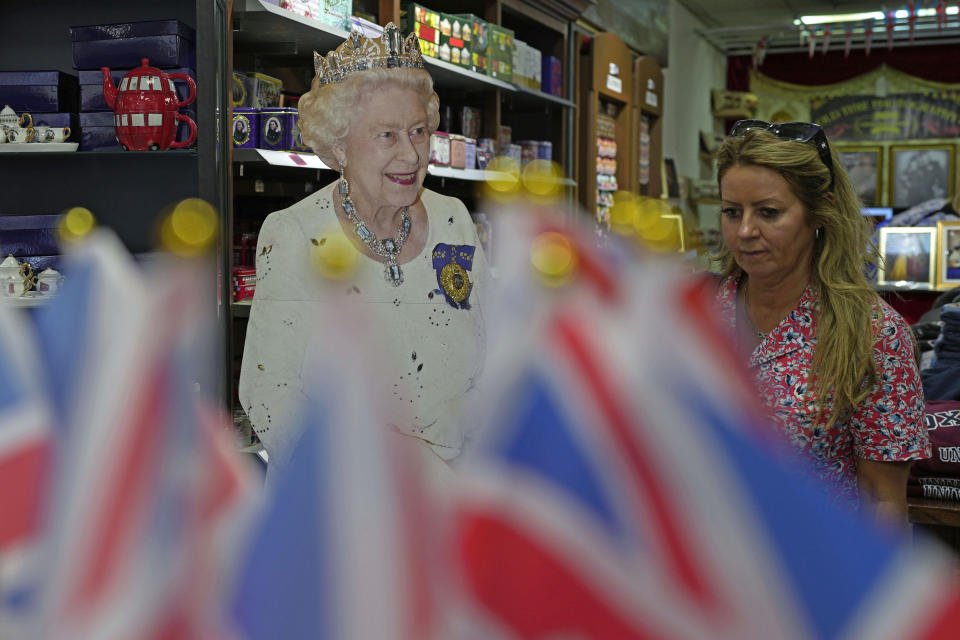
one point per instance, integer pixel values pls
(20, 135)
(51, 134)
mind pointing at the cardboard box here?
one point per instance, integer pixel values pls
(262, 91)
(98, 131)
(551, 70)
(476, 39)
(500, 52)
(459, 46)
(166, 43)
(43, 91)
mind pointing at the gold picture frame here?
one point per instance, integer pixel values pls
(919, 172)
(864, 165)
(907, 256)
(948, 254)
(675, 237)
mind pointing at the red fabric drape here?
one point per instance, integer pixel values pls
(939, 63)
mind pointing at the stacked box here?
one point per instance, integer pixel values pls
(534, 73)
(500, 52)
(476, 39)
(520, 62)
(43, 91)
(426, 24)
(552, 75)
(166, 43)
(98, 131)
(262, 91)
(459, 47)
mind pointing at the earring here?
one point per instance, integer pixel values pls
(343, 186)
(816, 233)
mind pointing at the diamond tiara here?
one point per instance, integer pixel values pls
(357, 53)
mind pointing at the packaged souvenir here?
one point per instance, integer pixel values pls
(276, 128)
(458, 151)
(245, 130)
(440, 149)
(39, 91)
(167, 43)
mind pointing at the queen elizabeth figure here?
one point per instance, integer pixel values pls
(420, 272)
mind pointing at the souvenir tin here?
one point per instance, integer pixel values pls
(470, 153)
(529, 150)
(276, 128)
(486, 151)
(246, 128)
(545, 150)
(458, 151)
(440, 149)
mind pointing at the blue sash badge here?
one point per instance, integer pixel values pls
(452, 262)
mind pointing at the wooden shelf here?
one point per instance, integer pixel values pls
(525, 94)
(932, 511)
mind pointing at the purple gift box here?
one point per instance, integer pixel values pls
(552, 75)
(246, 128)
(167, 43)
(98, 130)
(91, 86)
(298, 144)
(45, 91)
(276, 128)
(34, 235)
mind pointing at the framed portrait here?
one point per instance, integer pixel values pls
(920, 173)
(907, 256)
(864, 165)
(948, 254)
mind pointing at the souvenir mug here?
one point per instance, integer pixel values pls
(49, 282)
(51, 134)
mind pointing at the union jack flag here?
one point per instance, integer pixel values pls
(147, 495)
(628, 490)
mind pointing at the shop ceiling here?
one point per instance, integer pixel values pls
(737, 27)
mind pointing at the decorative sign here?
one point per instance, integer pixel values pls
(908, 116)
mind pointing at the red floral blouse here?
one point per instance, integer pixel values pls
(888, 424)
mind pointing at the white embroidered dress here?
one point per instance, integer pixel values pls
(431, 351)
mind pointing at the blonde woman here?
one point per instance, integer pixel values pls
(420, 270)
(833, 361)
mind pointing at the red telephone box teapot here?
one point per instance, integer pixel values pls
(145, 108)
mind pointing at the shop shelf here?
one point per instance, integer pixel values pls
(265, 27)
(525, 95)
(241, 308)
(280, 158)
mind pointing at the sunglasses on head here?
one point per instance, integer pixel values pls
(795, 131)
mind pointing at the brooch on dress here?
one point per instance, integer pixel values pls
(452, 263)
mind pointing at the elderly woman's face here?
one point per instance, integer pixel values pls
(388, 147)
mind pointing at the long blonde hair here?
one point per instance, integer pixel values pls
(843, 365)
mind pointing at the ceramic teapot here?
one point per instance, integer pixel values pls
(145, 108)
(15, 277)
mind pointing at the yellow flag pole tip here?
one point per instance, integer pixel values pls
(75, 224)
(190, 228)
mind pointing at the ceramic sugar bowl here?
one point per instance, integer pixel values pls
(49, 282)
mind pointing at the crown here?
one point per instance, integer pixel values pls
(357, 53)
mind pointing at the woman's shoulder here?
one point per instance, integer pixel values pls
(892, 332)
(439, 203)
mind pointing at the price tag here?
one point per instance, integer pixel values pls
(651, 98)
(614, 84)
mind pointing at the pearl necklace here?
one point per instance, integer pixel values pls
(388, 248)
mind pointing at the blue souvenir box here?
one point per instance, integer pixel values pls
(166, 43)
(44, 91)
(91, 86)
(31, 239)
(98, 132)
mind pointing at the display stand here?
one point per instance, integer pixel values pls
(606, 141)
(647, 126)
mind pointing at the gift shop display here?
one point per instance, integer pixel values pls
(245, 128)
(31, 246)
(39, 91)
(426, 24)
(474, 34)
(500, 52)
(277, 128)
(146, 108)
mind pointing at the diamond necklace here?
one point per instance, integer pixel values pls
(388, 248)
